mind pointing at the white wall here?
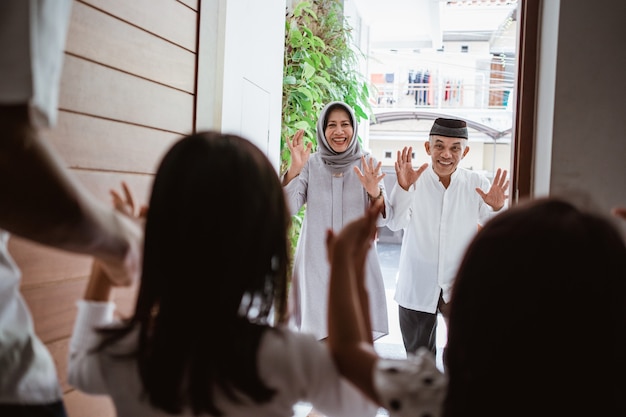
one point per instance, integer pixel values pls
(241, 68)
(586, 124)
(545, 99)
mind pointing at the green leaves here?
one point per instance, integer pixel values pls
(321, 64)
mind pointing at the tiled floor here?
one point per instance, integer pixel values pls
(389, 346)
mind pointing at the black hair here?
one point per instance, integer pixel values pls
(214, 272)
(538, 318)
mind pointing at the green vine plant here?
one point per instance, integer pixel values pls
(321, 64)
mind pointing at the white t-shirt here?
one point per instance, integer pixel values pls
(298, 366)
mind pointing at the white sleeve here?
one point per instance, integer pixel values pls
(400, 200)
(411, 387)
(301, 369)
(83, 370)
(297, 189)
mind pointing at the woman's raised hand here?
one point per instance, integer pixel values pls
(299, 155)
(370, 175)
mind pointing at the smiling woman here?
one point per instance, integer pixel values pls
(338, 129)
(337, 183)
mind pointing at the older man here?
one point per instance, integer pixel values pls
(440, 206)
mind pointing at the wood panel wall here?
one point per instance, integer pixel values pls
(127, 93)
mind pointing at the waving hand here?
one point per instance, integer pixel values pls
(370, 176)
(404, 168)
(299, 155)
(497, 194)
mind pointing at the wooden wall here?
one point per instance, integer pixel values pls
(127, 93)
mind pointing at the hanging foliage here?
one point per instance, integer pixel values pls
(321, 65)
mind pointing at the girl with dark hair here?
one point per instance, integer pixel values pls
(550, 278)
(206, 337)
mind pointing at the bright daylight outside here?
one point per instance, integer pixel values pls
(429, 59)
(441, 58)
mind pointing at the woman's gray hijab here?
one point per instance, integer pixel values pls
(337, 162)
